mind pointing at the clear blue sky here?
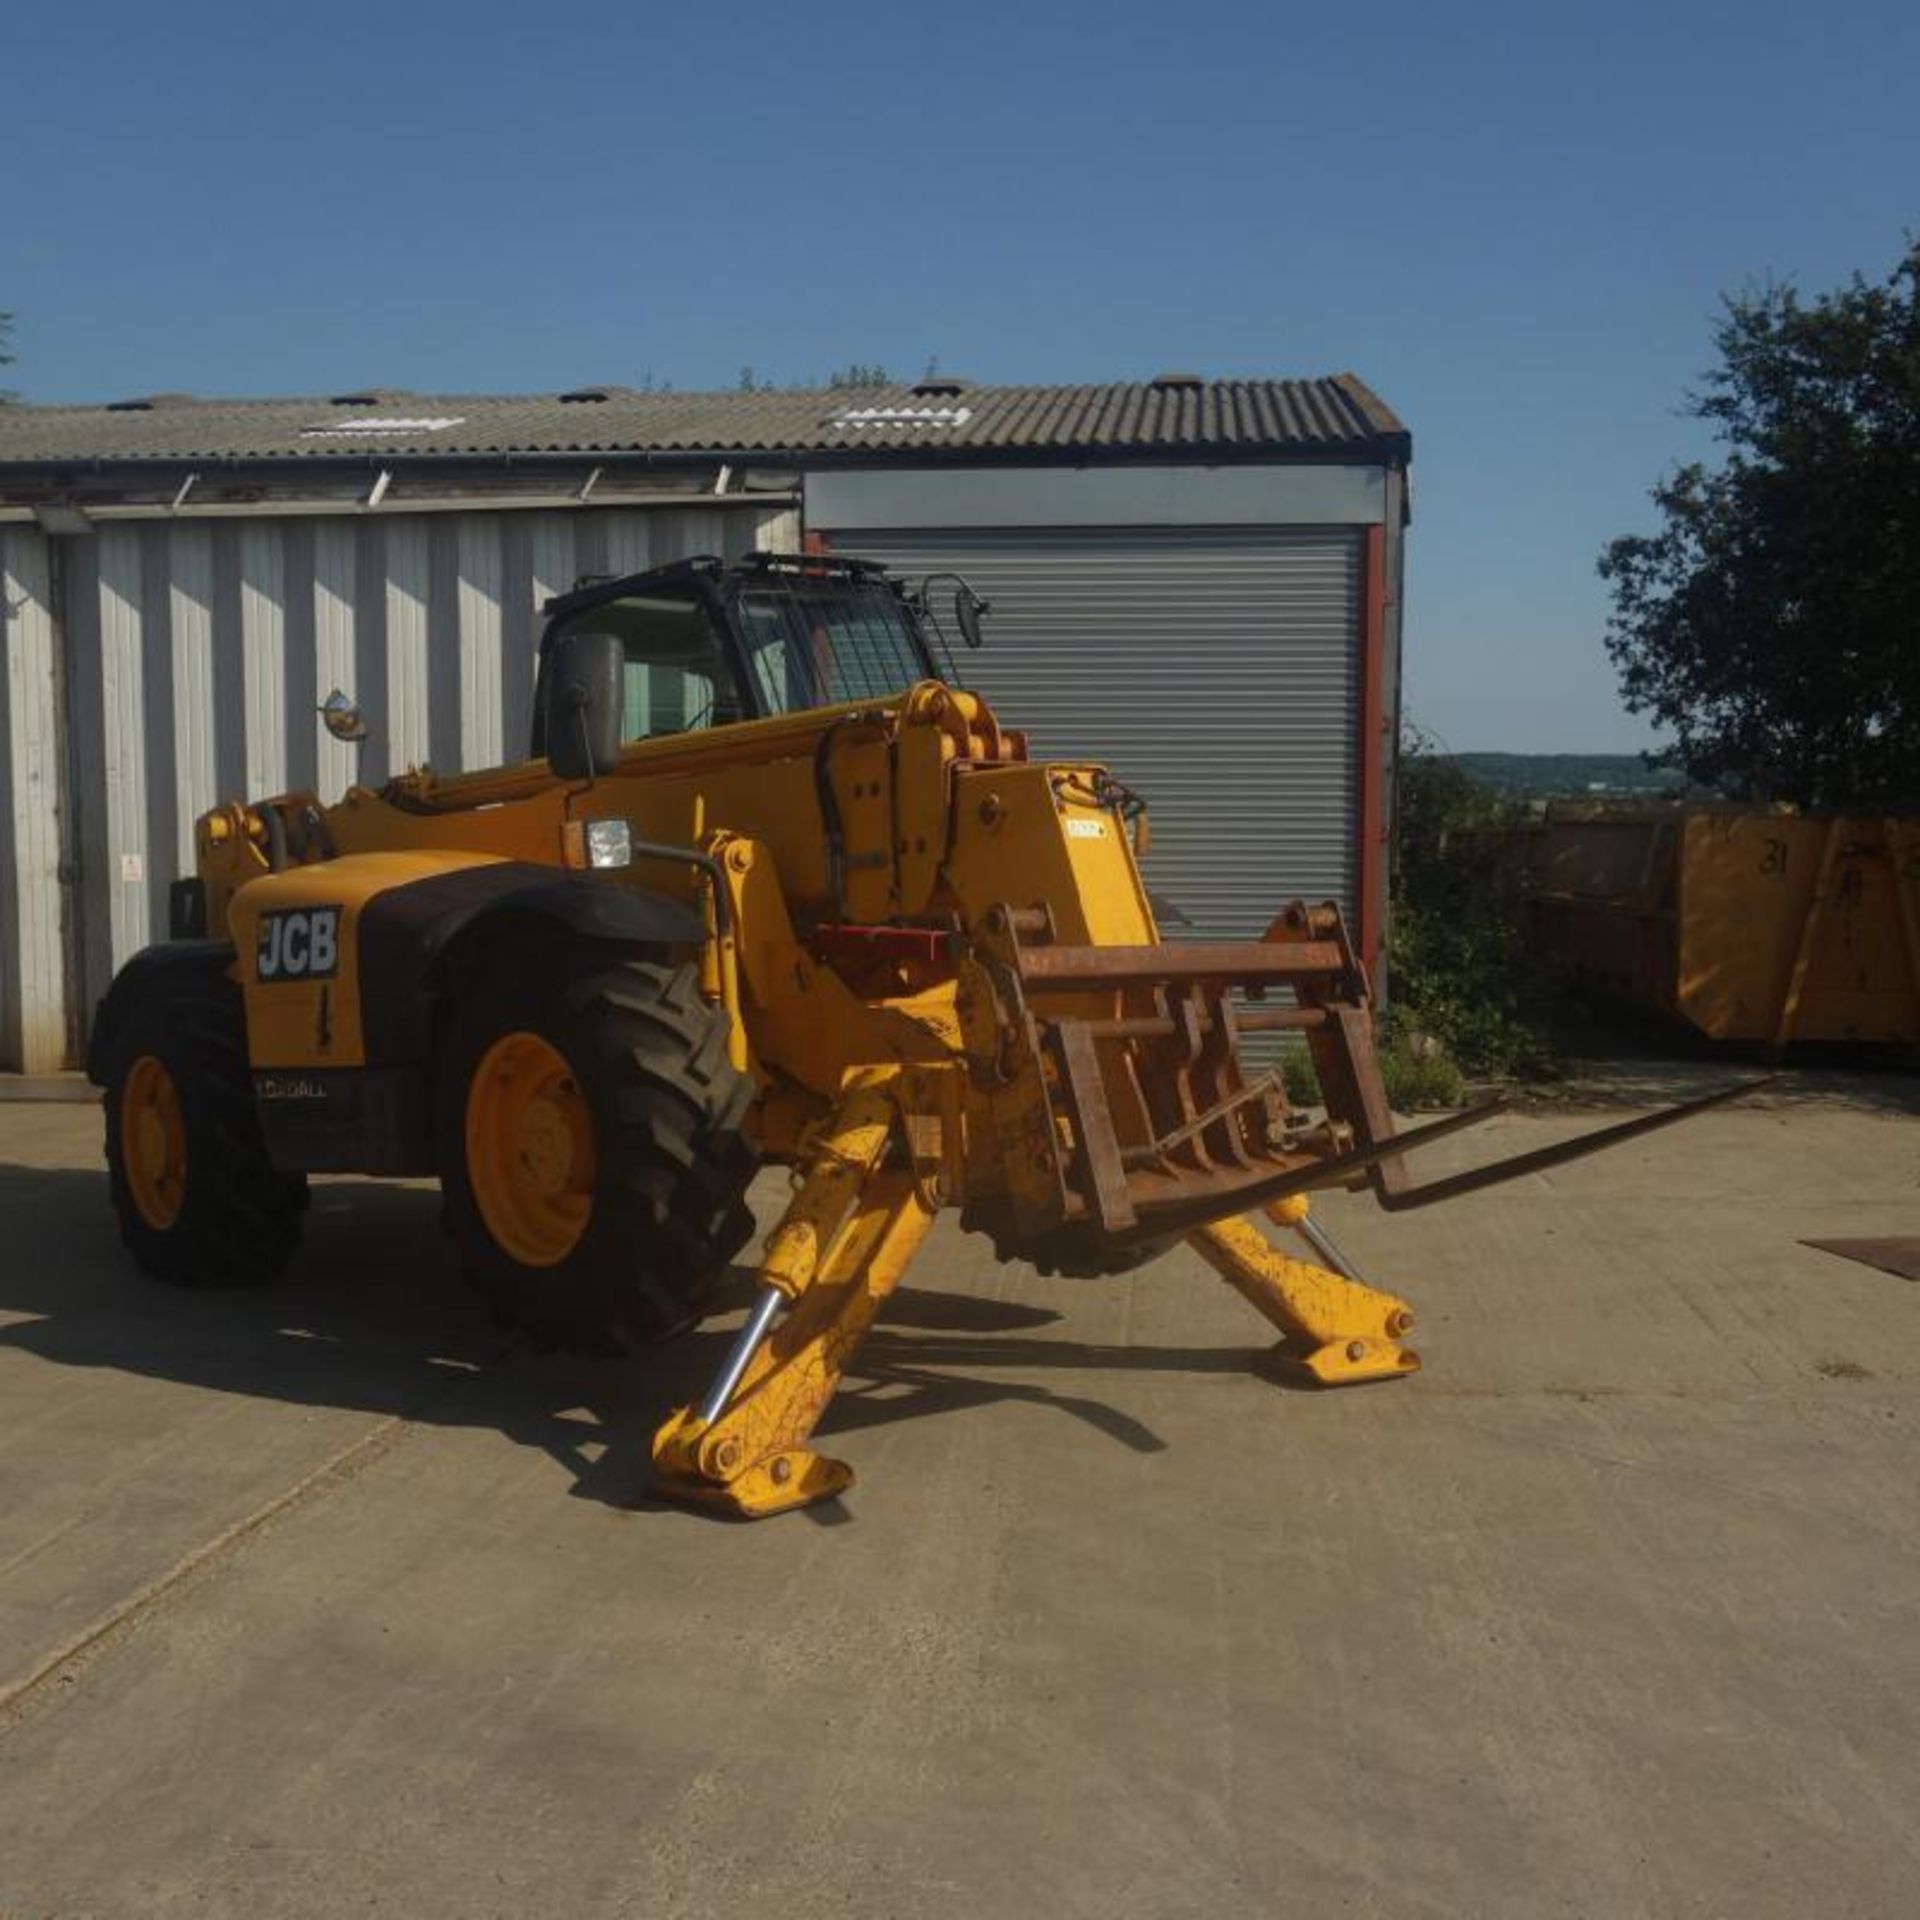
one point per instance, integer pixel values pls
(1514, 221)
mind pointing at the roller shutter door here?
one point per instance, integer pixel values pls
(1215, 670)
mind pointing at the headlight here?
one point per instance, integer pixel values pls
(609, 843)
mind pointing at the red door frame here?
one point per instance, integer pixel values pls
(1370, 886)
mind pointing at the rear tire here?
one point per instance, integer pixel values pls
(592, 1147)
(199, 1202)
(1077, 1252)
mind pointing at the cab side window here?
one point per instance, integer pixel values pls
(676, 678)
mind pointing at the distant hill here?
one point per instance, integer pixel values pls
(1546, 776)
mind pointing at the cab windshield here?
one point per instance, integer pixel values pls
(815, 646)
(807, 647)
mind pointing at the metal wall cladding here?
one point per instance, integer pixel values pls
(1215, 670)
(197, 653)
(33, 1011)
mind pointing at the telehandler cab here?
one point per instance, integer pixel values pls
(772, 886)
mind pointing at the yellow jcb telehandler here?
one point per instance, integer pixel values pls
(771, 886)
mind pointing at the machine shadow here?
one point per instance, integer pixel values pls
(374, 1318)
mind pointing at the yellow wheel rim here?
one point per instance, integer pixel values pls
(530, 1157)
(153, 1143)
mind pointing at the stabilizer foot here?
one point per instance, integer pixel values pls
(1336, 1365)
(836, 1255)
(1339, 1331)
(776, 1483)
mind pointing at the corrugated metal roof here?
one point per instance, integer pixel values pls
(1331, 415)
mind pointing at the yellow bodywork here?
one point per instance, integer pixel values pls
(1044, 1064)
(317, 1022)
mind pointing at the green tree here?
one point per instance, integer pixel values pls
(1773, 623)
(6, 350)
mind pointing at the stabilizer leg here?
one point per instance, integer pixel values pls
(1337, 1330)
(743, 1451)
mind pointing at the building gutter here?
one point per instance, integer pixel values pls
(340, 505)
(1387, 449)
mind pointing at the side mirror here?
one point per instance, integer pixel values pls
(341, 718)
(586, 675)
(968, 608)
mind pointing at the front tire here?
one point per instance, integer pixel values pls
(199, 1202)
(592, 1147)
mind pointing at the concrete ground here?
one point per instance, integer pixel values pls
(329, 1599)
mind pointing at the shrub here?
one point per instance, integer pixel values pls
(1303, 1082)
(1417, 1071)
(1458, 971)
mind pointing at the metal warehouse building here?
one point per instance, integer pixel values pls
(1195, 581)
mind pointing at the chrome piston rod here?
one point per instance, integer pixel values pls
(749, 1337)
(1323, 1243)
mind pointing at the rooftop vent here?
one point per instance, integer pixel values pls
(941, 384)
(1176, 382)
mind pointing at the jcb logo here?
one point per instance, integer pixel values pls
(300, 944)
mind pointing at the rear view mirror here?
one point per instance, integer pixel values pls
(967, 608)
(584, 700)
(341, 718)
